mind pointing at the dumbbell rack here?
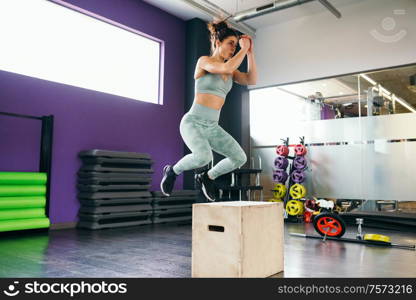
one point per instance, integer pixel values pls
(287, 196)
(291, 183)
(236, 183)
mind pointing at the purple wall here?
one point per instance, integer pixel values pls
(86, 119)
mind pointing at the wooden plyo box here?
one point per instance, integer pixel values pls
(237, 239)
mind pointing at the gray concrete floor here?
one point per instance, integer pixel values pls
(165, 251)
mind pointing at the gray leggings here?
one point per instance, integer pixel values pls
(201, 133)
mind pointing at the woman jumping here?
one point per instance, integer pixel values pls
(199, 127)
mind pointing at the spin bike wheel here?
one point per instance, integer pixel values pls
(329, 224)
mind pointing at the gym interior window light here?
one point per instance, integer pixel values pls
(55, 41)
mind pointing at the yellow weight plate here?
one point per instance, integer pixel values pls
(377, 238)
(279, 191)
(297, 191)
(294, 207)
(275, 200)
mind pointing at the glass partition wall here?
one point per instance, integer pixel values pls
(360, 133)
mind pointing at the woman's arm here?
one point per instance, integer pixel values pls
(250, 77)
(212, 66)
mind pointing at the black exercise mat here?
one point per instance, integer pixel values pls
(131, 201)
(114, 160)
(106, 163)
(112, 187)
(157, 220)
(116, 208)
(177, 193)
(172, 212)
(174, 206)
(115, 169)
(172, 215)
(116, 215)
(115, 223)
(109, 153)
(242, 188)
(175, 198)
(246, 171)
(112, 175)
(112, 195)
(114, 181)
(171, 201)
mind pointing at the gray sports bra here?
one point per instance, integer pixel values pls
(213, 84)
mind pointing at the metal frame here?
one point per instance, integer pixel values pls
(213, 10)
(278, 5)
(45, 159)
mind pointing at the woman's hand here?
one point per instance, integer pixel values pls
(250, 50)
(244, 43)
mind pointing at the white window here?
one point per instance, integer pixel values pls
(46, 40)
(276, 114)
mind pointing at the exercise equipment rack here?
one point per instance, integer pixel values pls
(45, 159)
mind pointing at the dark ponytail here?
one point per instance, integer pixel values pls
(219, 32)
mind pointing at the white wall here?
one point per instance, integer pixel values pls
(321, 45)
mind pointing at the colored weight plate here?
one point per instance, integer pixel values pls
(294, 207)
(282, 150)
(376, 238)
(307, 217)
(298, 176)
(280, 176)
(297, 191)
(281, 163)
(310, 204)
(275, 200)
(279, 191)
(300, 163)
(329, 224)
(300, 150)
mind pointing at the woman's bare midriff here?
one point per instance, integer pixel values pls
(209, 100)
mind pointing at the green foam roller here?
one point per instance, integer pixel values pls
(22, 178)
(22, 202)
(30, 213)
(22, 190)
(11, 225)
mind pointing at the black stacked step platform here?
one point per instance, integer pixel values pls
(113, 189)
(176, 208)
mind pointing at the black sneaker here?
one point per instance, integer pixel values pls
(168, 180)
(207, 186)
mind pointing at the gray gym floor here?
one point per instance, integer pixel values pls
(165, 251)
